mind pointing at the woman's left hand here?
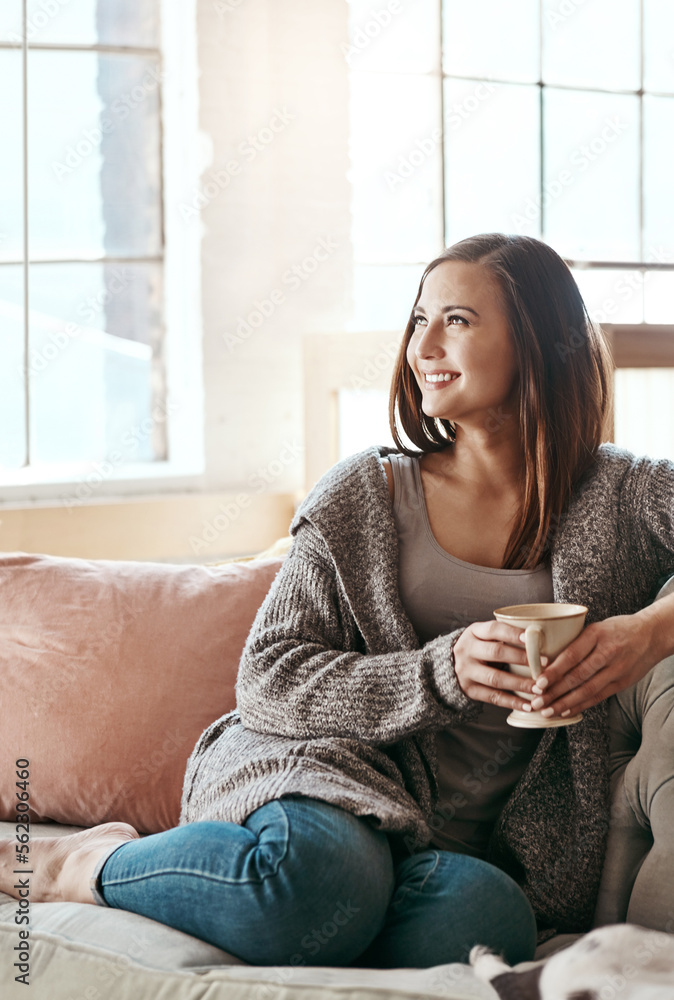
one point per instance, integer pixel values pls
(605, 658)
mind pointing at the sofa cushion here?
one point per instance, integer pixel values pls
(84, 951)
(110, 671)
(641, 722)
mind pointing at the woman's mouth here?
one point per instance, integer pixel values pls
(438, 380)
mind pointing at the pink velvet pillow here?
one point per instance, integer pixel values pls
(109, 673)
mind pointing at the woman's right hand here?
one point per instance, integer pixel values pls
(480, 656)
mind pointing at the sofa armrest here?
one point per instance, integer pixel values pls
(641, 720)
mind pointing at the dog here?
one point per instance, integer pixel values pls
(615, 962)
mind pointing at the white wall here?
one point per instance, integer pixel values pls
(257, 57)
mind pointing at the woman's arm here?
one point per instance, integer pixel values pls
(299, 677)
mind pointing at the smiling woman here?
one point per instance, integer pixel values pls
(506, 316)
(370, 744)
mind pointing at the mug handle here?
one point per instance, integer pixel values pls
(533, 640)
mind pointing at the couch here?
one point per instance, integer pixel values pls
(109, 673)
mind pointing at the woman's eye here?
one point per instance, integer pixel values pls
(452, 320)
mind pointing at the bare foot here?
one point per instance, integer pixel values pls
(61, 866)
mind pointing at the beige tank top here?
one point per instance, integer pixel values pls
(479, 763)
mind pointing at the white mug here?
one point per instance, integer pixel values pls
(548, 629)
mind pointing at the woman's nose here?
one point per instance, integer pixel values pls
(429, 344)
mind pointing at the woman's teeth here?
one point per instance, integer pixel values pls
(446, 377)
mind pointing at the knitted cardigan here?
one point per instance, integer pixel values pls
(336, 700)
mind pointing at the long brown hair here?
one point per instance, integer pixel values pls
(565, 382)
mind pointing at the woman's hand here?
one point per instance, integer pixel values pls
(480, 656)
(607, 657)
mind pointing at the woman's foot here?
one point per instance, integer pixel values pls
(61, 866)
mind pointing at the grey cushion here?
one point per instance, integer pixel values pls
(642, 794)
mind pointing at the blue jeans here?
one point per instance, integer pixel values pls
(304, 882)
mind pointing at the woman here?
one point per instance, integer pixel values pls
(367, 803)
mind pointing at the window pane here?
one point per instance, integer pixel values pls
(483, 120)
(91, 384)
(384, 295)
(91, 22)
(644, 411)
(12, 396)
(396, 168)
(659, 45)
(10, 21)
(592, 175)
(399, 38)
(612, 296)
(95, 156)
(658, 198)
(593, 44)
(11, 160)
(492, 39)
(124, 300)
(659, 297)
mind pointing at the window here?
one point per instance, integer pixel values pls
(548, 118)
(91, 386)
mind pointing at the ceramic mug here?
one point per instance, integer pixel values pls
(548, 629)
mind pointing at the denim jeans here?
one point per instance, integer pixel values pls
(304, 882)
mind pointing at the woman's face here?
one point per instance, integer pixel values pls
(462, 334)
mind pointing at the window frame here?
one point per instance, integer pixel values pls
(182, 315)
(643, 264)
(651, 258)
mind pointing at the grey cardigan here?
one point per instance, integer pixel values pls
(337, 700)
